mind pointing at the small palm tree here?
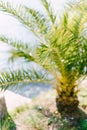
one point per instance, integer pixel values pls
(61, 51)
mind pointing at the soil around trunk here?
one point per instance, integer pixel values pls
(43, 114)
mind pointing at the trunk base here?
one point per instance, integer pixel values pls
(70, 111)
(67, 107)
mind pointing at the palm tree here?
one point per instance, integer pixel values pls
(61, 51)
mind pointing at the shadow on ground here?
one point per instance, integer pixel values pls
(75, 121)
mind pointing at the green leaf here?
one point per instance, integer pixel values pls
(21, 76)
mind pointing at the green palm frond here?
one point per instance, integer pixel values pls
(38, 19)
(63, 45)
(20, 49)
(49, 57)
(18, 12)
(14, 43)
(22, 76)
(49, 10)
(80, 6)
(63, 51)
(23, 16)
(21, 54)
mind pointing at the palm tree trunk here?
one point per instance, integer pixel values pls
(3, 108)
(67, 105)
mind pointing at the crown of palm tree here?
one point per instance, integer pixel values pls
(61, 49)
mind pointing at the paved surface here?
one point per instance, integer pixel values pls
(14, 100)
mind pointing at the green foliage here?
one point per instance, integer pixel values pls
(7, 123)
(49, 10)
(19, 110)
(21, 76)
(61, 49)
(19, 49)
(51, 120)
(83, 124)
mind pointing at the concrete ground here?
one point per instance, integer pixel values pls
(14, 100)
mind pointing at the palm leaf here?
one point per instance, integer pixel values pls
(22, 15)
(63, 46)
(19, 49)
(49, 11)
(22, 76)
